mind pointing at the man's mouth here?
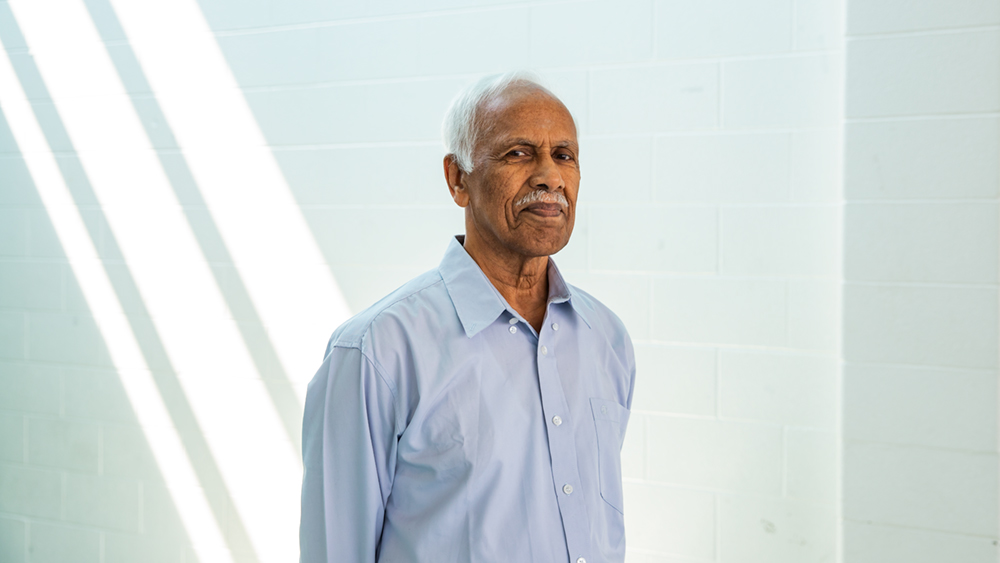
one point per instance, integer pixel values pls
(544, 203)
(545, 209)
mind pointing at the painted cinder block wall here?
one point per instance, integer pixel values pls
(712, 218)
(922, 151)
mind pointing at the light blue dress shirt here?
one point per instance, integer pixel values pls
(442, 428)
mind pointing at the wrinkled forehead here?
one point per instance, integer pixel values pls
(522, 111)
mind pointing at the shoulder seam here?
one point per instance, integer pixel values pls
(392, 388)
(374, 362)
(407, 296)
(359, 342)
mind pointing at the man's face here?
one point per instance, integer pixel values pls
(522, 191)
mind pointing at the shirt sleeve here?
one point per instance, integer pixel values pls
(630, 360)
(348, 451)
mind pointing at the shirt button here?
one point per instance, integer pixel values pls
(581, 560)
(513, 329)
(557, 420)
(555, 326)
(513, 320)
(568, 489)
(544, 350)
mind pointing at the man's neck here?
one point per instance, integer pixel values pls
(522, 281)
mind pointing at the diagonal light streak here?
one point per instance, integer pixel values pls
(280, 263)
(213, 365)
(136, 378)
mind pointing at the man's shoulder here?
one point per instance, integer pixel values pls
(352, 333)
(608, 330)
(598, 315)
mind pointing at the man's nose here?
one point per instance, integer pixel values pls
(547, 175)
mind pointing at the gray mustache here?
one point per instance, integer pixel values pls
(544, 197)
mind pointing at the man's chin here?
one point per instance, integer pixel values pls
(543, 245)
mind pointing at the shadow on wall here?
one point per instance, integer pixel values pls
(77, 467)
(58, 350)
(76, 472)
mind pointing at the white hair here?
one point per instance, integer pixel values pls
(460, 130)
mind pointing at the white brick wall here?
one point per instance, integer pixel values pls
(711, 219)
(920, 471)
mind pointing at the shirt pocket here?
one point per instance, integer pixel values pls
(610, 419)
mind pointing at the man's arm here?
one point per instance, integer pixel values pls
(630, 363)
(348, 451)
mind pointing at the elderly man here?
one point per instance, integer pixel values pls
(476, 414)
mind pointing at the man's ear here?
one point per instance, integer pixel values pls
(456, 180)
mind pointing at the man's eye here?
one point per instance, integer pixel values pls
(516, 153)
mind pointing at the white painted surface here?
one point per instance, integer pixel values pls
(711, 219)
(920, 473)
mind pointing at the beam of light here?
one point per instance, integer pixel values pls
(162, 437)
(230, 402)
(279, 261)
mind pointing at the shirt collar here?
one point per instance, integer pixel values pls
(476, 301)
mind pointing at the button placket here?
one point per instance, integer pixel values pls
(562, 450)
